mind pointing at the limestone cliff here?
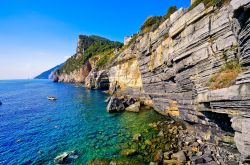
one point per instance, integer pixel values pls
(173, 65)
(76, 76)
(125, 72)
(195, 66)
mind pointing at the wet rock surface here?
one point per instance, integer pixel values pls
(118, 161)
(172, 68)
(171, 142)
(177, 60)
(122, 103)
(134, 107)
(97, 80)
(66, 157)
(115, 105)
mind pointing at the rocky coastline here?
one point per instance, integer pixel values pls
(195, 69)
(172, 142)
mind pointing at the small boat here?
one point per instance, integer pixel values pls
(52, 98)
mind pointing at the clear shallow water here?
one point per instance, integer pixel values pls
(34, 130)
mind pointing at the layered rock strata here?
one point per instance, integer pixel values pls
(171, 67)
(176, 62)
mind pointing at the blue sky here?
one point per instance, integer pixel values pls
(36, 35)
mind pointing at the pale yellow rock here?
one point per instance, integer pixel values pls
(126, 74)
(173, 109)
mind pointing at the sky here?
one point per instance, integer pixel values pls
(36, 35)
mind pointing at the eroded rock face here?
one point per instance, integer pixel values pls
(77, 76)
(97, 80)
(242, 135)
(126, 74)
(176, 61)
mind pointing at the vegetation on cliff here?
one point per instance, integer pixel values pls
(105, 58)
(208, 3)
(226, 76)
(152, 23)
(96, 46)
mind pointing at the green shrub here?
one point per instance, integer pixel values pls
(105, 59)
(151, 24)
(98, 45)
(208, 3)
(170, 11)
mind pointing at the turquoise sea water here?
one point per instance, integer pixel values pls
(34, 130)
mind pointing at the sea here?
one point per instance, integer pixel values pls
(34, 130)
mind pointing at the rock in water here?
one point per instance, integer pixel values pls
(128, 152)
(137, 137)
(107, 100)
(115, 105)
(134, 107)
(129, 101)
(66, 157)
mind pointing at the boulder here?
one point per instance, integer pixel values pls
(129, 101)
(153, 163)
(197, 160)
(134, 107)
(167, 155)
(180, 156)
(168, 162)
(115, 105)
(158, 156)
(137, 137)
(66, 157)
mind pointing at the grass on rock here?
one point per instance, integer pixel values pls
(226, 76)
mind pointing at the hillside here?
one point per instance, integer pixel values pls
(47, 74)
(77, 67)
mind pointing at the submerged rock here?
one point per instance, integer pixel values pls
(1, 103)
(128, 152)
(116, 161)
(66, 157)
(137, 137)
